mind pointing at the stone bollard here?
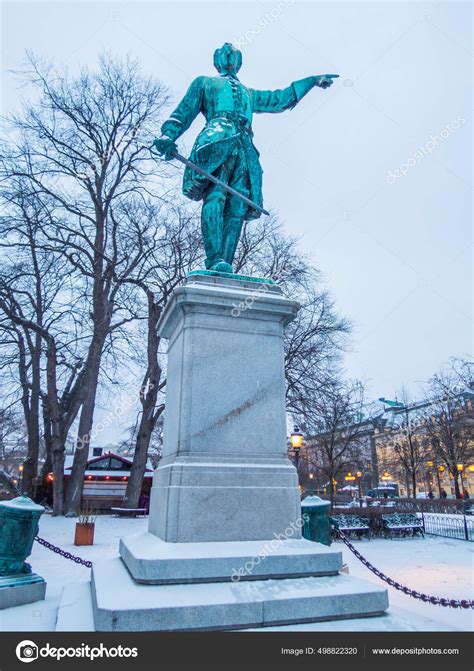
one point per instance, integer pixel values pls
(315, 512)
(18, 527)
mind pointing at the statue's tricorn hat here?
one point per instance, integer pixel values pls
(219, 63)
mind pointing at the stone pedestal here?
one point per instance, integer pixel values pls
(224, 547)
(225, 473)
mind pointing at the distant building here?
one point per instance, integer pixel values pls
(105, 481)
(376, 459)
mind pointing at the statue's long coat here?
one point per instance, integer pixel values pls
(228, 107)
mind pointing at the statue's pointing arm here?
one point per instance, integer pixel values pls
(284, 99)
(181, 118)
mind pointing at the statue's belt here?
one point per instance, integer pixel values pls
(242, 121)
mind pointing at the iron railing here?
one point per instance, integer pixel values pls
(460, 527)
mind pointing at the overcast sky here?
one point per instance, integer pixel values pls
(395, 249)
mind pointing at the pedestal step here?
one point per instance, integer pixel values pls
(121, 604)
(154, 561)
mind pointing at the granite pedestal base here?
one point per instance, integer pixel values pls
(226, 605)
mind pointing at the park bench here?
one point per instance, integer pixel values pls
(402, 524)
(128, 512)
(351, 524)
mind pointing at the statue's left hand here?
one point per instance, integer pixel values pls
(325, 81)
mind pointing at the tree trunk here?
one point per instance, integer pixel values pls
(81, 454)
(86, 420)
(135, 481)
(48, 462)
(58, 475)
(30, 465)
(457, 489)
(148, 397)
(407, 484)
(57, 439)
(374, 460)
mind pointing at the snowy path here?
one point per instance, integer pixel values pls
(439, 566)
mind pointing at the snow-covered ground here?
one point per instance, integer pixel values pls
(437, 566)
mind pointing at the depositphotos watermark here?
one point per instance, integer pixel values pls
(127, 401)
(28, 651)
(260, 291)
(426, 150)
(270, 547)
(278, 9)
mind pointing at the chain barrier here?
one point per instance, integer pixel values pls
(426, 598)
(63, 553)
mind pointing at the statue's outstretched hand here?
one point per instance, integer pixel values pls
(325, 81)
(166, 147)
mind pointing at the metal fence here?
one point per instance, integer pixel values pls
(460, 527)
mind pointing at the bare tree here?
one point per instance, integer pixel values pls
(336, 429)
(32, 278)
(80, 148)
(407, 441)
(161, 271)
(449, 420)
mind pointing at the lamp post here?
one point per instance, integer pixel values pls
(359, 485)
(439, 475)
(296, 441)
(349, 477)
(460, 468)
(429, 476)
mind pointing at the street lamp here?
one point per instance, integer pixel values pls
(296, 440)
(439, 475)
(359, 484)
(460, 468)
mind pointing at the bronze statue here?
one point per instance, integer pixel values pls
(224, 169)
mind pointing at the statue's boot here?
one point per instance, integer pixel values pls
(211, 226)
(232, 228)
(222, 267)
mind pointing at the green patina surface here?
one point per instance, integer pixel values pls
(232, 276)
(18, 527)
(315, 514)
(225, 148)
(18, 580)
